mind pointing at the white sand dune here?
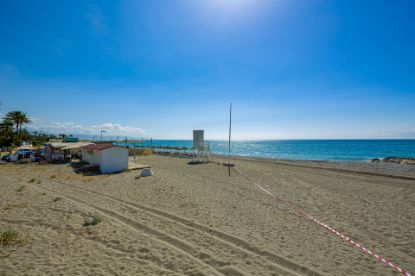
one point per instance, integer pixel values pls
(196, 220)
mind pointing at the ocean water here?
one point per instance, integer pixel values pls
(329, 150)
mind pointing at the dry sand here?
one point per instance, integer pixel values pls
(196, 220)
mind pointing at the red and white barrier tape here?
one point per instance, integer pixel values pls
(331, 229)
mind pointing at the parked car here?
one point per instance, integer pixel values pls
(25, 153)
(6, 158)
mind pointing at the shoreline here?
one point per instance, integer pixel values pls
(402, 171)
(376, 159)
(359, 161)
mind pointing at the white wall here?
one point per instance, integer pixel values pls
(56, 155)
(109, 160)
(92, 159)
(114, 160)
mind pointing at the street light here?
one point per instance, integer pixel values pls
(101, 134)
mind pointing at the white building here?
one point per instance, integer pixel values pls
(108, 157)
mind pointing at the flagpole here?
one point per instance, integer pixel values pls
(229, 143)
(230, 129)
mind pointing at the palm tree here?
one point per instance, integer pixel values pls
(19, 119)
(6, 132)
(6, 127)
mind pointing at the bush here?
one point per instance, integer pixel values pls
(53, 176)
(92, 221)
(32, 180)
(20, 188)
(10, 237)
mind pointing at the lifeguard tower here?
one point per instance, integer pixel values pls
(201, 151)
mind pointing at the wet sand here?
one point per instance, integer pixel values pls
(196, 220)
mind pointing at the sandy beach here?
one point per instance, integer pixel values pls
(194, 219)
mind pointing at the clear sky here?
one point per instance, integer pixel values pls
(160, 68)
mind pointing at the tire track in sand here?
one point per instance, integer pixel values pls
(168, 241)
(231, 240)
(101, 243)
(187, 245)
(271, 261)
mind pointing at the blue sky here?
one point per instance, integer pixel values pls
(293, 69)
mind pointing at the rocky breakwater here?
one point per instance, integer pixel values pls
(395, 160)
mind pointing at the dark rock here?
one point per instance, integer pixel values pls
(399, 160)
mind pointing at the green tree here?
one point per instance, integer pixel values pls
(6, 126)
(19, 119)
(24, 135)
(6, 132)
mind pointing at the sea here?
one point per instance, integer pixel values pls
(327, 150)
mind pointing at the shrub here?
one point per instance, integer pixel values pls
(32, 180)
(57, 199)
(10, 237)
(53, 176)
(20, 188)
(92, 221)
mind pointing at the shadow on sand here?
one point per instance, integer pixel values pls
(192, 163)
(81, 167)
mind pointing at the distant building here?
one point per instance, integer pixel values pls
(71, 140)
(108, 157)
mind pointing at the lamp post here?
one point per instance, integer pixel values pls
(102, 131)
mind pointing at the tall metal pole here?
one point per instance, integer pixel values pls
(102, 131)
(229, 144)
(230, 129)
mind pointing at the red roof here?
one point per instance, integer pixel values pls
(100, 146)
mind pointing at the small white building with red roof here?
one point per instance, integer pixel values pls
(110, 158)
